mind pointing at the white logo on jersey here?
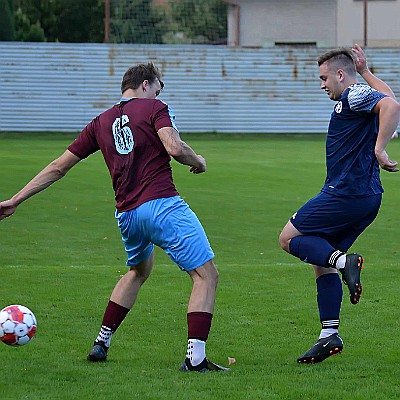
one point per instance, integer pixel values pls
(338, 107)
(123, 137)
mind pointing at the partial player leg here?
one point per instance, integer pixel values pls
(318, 251)
(121, 301)
(199, 317)
(329, 299)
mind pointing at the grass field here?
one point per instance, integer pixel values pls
(61, 255)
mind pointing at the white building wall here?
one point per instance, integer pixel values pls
(383, 23)
(264, 22)
(328, 23)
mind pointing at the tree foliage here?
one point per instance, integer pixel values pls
(6, 20)
(192, 21)
(80, 21)
(25, 31)
(59, 20)
(131, 21)
(134, 21)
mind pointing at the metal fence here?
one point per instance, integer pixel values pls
(61, 87)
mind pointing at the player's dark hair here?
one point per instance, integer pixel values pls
(342, 58)
(135, 75)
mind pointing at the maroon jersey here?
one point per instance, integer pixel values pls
(137, 160)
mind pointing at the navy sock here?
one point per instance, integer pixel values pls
(314, 250)
(329, 298)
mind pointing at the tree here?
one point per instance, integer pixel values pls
(192, 21)
(134, 21)
(26, 31)
(6, 20)
(28, 20)
(79, 21)
(131, 21)
(60, 20)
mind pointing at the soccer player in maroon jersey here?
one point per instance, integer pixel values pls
(137, 138)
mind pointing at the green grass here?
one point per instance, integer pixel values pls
(61, 255)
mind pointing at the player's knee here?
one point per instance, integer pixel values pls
(215, 277)
(213, 274)
(138, 273)
(284, 242)
(210, 273)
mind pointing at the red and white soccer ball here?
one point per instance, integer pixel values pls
(17, 325)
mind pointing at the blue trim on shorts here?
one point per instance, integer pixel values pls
(170, 224)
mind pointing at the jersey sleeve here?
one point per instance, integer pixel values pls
(85, 144)
(363, 98)
(163, 115)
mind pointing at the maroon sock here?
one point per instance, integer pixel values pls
(199, 325)
(114, 315)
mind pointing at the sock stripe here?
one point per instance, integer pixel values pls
(332, 323)
(334, 257)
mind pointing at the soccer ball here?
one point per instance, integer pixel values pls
(17, 325)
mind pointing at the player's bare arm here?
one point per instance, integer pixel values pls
(362, 68)
(50, 174)
(389, 115)
(181, 151)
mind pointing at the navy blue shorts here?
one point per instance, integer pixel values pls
(339, 220)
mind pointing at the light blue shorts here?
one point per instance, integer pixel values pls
(170, 224)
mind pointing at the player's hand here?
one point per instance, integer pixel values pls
(361, 61)
(7, 208)
(201, 167)
(385, 162)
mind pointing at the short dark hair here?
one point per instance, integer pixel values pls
(135, 75)
(341, 58)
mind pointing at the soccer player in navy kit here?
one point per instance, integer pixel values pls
(321, 231)
(137, 138)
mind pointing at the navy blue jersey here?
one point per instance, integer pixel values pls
(352, 168)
